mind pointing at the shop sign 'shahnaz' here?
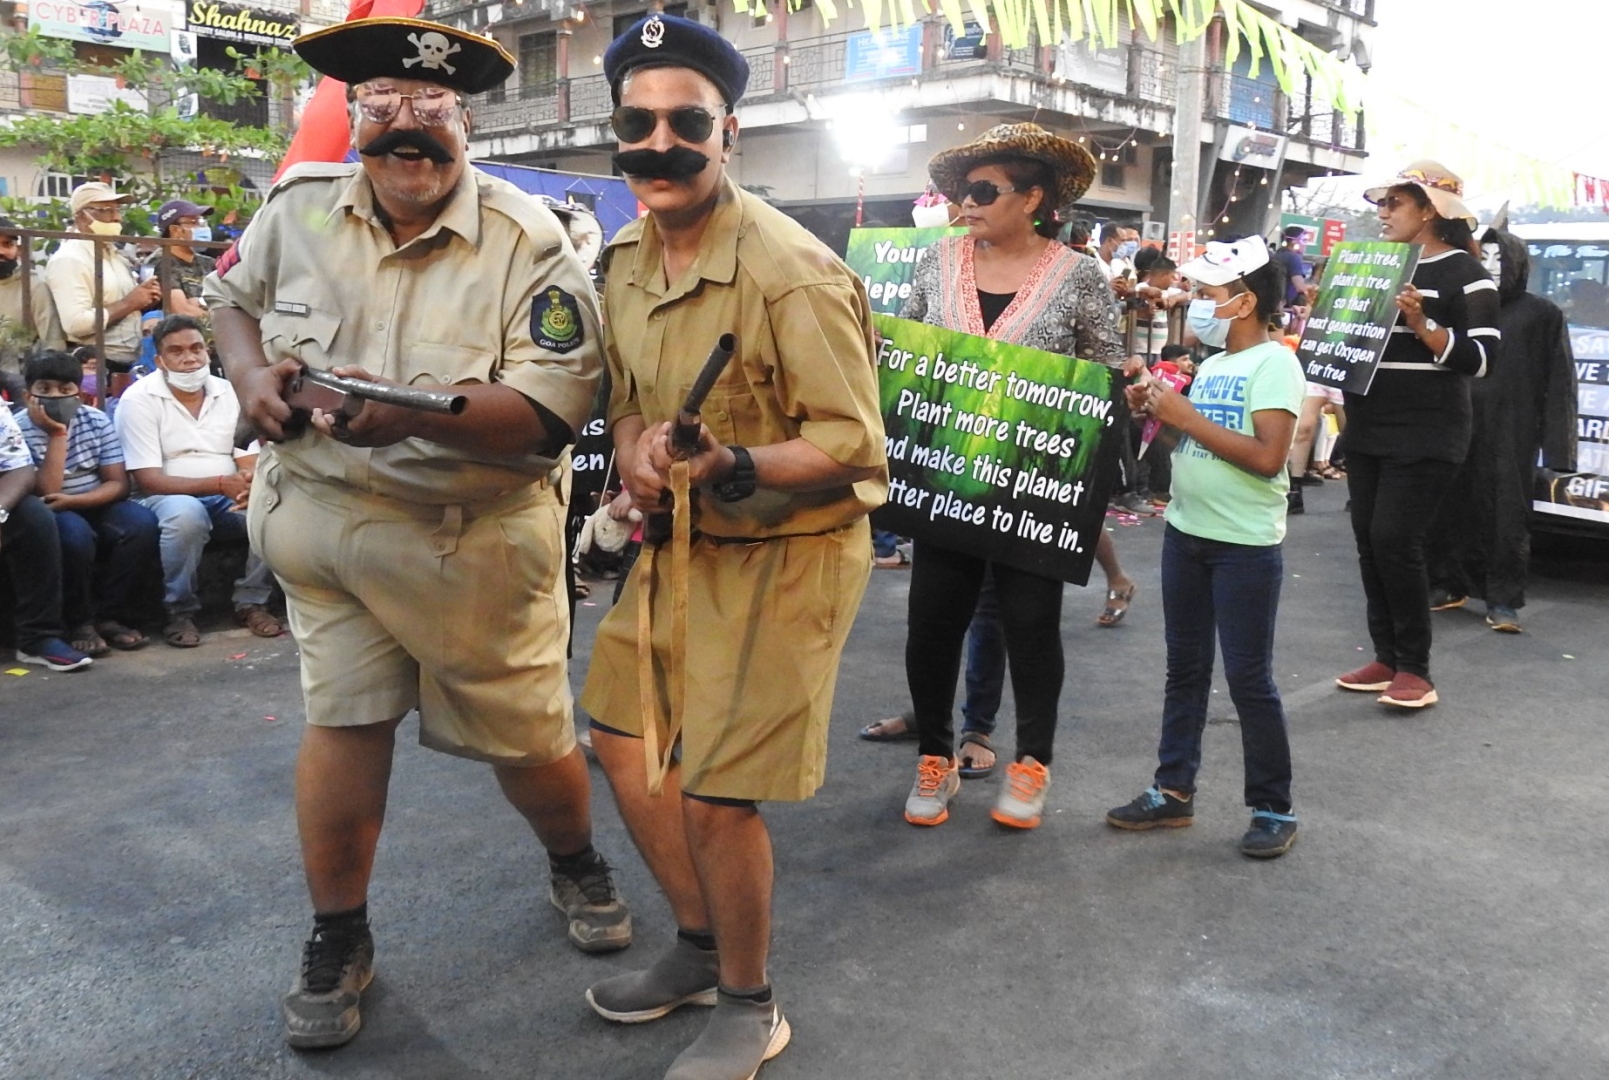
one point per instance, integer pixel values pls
(245, 25)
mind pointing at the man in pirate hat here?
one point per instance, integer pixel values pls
(421, 554)
(787, 467)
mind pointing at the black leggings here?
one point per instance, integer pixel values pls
(1393, 504)
(944, 594)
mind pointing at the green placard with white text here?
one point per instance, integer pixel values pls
(886, 261)
(996, 450)
(1355, 311)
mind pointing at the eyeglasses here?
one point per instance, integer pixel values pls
(107, 212)
(433, 106)
(984, 192)
(689, 123)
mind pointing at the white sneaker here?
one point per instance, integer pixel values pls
(937, 782)
(1022, 800)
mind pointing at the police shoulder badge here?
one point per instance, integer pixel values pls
(556, 320)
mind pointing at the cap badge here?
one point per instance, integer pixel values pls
(653, 33)
(434, 49)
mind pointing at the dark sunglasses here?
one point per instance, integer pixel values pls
(1391, 202)
(984, 192)
(690, 123)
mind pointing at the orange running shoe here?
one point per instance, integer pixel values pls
(1022, 801)
(937, 782)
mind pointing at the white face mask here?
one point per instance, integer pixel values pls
(187, 381)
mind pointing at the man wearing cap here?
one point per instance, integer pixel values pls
(181, 270)
(14, 338)
(780, 551)
(421, 553)
(98, 211)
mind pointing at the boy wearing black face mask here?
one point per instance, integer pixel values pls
(80, 475)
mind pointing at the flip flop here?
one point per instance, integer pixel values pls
(969, 771)
(181, 632)
(879, 732)
(120, 637)
(1113, 614)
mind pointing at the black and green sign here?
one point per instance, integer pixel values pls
(1355, 311)
(997, 450)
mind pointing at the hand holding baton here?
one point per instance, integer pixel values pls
(684, 433)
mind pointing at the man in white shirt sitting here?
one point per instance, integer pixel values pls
(177, 426)
(98, 211)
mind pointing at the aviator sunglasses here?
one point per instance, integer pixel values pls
(690, 123)
(984, 192)
(432, 106)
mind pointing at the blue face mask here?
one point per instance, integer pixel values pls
(1127, 249)
(201, 233)
(1202, 316)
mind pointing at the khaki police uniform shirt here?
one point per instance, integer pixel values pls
(14, 338)
(491, 292)
(805, 365)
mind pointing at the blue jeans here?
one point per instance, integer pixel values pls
(188, 522)
(1233, 589)
(122, 537)
(884, 543)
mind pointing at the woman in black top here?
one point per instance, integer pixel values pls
(1407, 437)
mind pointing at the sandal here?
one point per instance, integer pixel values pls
(1113, 613)
(181, 632)
(900, 728)
(1330, 472)
(256, 618)
(897, 561)
(971, 743)
(120, 637)
(87, 641)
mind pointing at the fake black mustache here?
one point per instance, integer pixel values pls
(418, 140)
(677, 163)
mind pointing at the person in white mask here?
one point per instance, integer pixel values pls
(98, 211)
(177, 426)
(181, 269)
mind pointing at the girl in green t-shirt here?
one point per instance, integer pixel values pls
(1221, 556)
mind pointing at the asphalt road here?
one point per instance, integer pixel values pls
(1441, 916)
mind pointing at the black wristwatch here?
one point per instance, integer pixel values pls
(739, 485)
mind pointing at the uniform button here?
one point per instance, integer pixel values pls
(658, 315)
(379, 324)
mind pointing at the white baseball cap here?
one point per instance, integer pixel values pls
(1222, 262)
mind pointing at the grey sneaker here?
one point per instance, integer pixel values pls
(1270, 836)
(937, 782)
(1022, 800)
(1504, 620)
(321, 1009)
(1153, 808)
(740, 1037)
(686, 975)
(599, 920)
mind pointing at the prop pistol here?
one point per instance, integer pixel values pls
(315, 389)
(684, 433)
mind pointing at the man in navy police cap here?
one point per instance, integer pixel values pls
(420, 553)
(788, 465)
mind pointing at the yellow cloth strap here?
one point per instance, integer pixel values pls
(656, 750)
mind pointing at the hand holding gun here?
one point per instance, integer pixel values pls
(684, 433)
(342, 398)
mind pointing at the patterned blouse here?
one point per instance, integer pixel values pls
(1064, 305)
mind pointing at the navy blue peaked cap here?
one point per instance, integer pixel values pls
(671, 41)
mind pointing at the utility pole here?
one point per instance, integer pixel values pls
(1189, 104)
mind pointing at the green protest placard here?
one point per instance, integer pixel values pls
(1356, 309)
(886, 261)
(997, 450)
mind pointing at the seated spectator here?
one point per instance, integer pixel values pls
(98, 210)
(15, 337)
(81, 477)
(30, 551)
(181, 269)
(178, 433)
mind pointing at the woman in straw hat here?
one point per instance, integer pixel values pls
(1006, 279)
(1407, 437)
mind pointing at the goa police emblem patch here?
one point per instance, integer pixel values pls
(556, 320)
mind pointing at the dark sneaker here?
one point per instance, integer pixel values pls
(1505, 620)
(686, 975)
(1153, 809)
(1134, 503)
(1408, 692)
(740, 1037)
(1293, 501)
(321, 1009)
(55, 654)
(1446, 600)
(599, 919)
(1270, 836)
(1373, 677)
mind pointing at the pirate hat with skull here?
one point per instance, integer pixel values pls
(396, 48)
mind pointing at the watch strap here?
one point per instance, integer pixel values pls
(740, 485)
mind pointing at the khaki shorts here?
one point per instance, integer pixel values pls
(457, 611)
(766, 625)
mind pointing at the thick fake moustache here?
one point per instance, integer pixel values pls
(677, 163)
(394, 141)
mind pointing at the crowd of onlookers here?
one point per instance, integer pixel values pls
(107, 489)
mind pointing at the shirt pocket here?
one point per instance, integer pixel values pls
(427, 363)
(308, 337)
(736, 418)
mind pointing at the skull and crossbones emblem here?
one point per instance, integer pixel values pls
(434, 49)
